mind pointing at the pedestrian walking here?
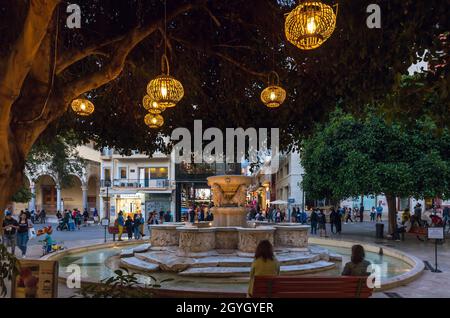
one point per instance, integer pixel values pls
(418, 214)
(372, 214)
(338, 221)
(137, 227)
(361, 213)
(24, 225)
(129, 227)
(333, 217)
(120, 222)
(10, 226)
(322, 222)
(380, 212)
(348, 216)
(85, 217)
(141, 226)
(314, 219)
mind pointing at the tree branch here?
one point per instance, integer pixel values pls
(23, 54)
(121, 50)
(222, 56)
(68, 58)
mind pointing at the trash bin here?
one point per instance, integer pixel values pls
(379, 230)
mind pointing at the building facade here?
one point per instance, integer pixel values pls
(283, 185)
(50, 195)
(136, 183)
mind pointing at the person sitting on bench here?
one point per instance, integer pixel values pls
(358, 265)
(265, 263)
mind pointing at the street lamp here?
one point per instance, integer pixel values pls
(107, 185)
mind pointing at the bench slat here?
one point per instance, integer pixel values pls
(311, 287)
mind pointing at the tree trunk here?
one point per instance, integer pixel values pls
(392, 214)
(11, 178)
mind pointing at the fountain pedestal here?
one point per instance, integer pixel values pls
(229, 216)
(249, 238)
(196, 241)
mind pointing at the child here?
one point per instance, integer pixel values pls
(48, 238)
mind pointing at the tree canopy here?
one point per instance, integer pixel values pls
(351, 156)
(221, 51)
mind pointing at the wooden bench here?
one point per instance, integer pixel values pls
(311, 287)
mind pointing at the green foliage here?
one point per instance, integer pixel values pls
(24, 195)
(61, 156)
(8, 265)
(122, 285)
(349, 156)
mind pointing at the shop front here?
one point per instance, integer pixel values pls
(129, 204)
(156, 202)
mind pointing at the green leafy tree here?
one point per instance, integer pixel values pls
(24, 195)
(60, 155)
(348, 156)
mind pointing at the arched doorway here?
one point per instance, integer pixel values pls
(46, 194)
(72, 195)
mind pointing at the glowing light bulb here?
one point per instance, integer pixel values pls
(83, 106)
(311, 25)
(154, 120)
(164, 91)
(272, 96)
(155, 105)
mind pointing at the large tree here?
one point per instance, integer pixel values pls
(220, 50)
(348, 156)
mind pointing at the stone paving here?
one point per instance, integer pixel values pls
(428, 285)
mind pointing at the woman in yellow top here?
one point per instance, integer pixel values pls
(265, 263)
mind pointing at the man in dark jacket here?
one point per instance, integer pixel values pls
(418, 214)
(333, 217)
(361, 213)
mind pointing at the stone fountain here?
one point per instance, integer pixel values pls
(226, 247)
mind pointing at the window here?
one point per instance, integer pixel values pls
(107, 174)
(122, 172)
(287, 169)
(159, 173)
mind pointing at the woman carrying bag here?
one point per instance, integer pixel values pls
(25, 226)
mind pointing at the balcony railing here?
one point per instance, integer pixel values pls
(134, 183)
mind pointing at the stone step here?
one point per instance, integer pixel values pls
(171, 262)
(137, 264)
(245, 271)
(142, 248)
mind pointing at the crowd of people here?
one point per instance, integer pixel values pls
(199, 213)
(133, 223)
(73, 219)
(318, 217)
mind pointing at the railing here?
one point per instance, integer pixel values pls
(134, 183)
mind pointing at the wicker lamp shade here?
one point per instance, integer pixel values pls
(154, 121)
(310, 24)
(165, 90)
(273, 95)
(82, 107)
(152, 106)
